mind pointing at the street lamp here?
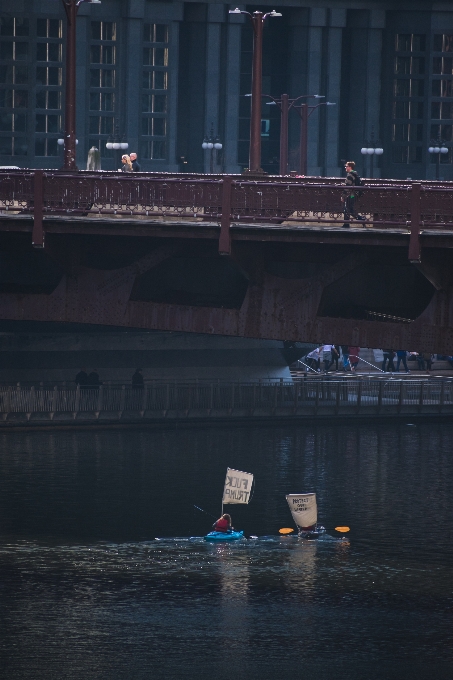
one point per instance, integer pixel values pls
(371, 149)
(71, 8)
(257, 19)
(117, 143)
(305, 112)
(438, 147)
(285, 104)
(213, 144)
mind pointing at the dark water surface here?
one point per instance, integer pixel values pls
(87, 593)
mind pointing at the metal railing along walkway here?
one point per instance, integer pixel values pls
(185, 401)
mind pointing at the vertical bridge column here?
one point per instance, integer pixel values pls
(37, 238)
(414, 241)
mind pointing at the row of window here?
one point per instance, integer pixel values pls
(105, 101)
(20, 75)
(415, 109)
(412, 42)
(416, 88)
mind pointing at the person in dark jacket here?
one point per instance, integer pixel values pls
(335, 355)
(137, 379)
(350, 194)
(93, 380)
(135, 164)
(81, 378)
(401, 354)
(389, 355)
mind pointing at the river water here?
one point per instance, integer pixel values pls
(88, 593)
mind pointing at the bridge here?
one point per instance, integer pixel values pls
(225, 255)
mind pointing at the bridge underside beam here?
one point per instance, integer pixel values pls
(349, 288)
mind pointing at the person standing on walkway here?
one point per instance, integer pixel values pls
(81, 378)
(345, 353)
(335, 356)
(137, 380)
(327, 356)
(354, 358)
(429, 358)
(93, 380)
(388, 360)
(401, 354)
(314, 358)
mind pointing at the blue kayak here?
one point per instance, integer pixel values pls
(223, 536)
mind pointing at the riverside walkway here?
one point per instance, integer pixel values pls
(164, 402)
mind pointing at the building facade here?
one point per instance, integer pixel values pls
(159, 74)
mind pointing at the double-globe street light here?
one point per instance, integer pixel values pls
(213, 145)
(71, 8)
(257, 19)
(371, 149)
(438, 147)
(117, 143)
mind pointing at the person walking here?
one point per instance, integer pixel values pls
(135, 164)
(354, 358)
(126, 164)
(349, 195)
(345, 353)
(401, 357)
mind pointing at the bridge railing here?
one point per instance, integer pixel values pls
(183, 400)
(226, 200)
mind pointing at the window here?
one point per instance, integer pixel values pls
(14, 85)
(442, 94)
(154, 98)
(408, 97)
(102, 77)
(49, 81)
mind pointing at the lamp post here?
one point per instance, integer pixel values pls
(305, 112)
(438, 147)
(71, 8)
(213, 144)
(257, 19)
(286, 104)
(118, 144)
(371, 149)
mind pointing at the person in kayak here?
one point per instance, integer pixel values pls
(223, 524)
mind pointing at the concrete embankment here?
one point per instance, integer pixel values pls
(200, 402)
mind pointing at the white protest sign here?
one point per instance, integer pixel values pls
(238, 486)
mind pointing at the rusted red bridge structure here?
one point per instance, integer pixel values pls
(231, 256)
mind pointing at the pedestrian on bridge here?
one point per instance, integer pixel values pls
(349, 195)
(135, 164)
(126, 164)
